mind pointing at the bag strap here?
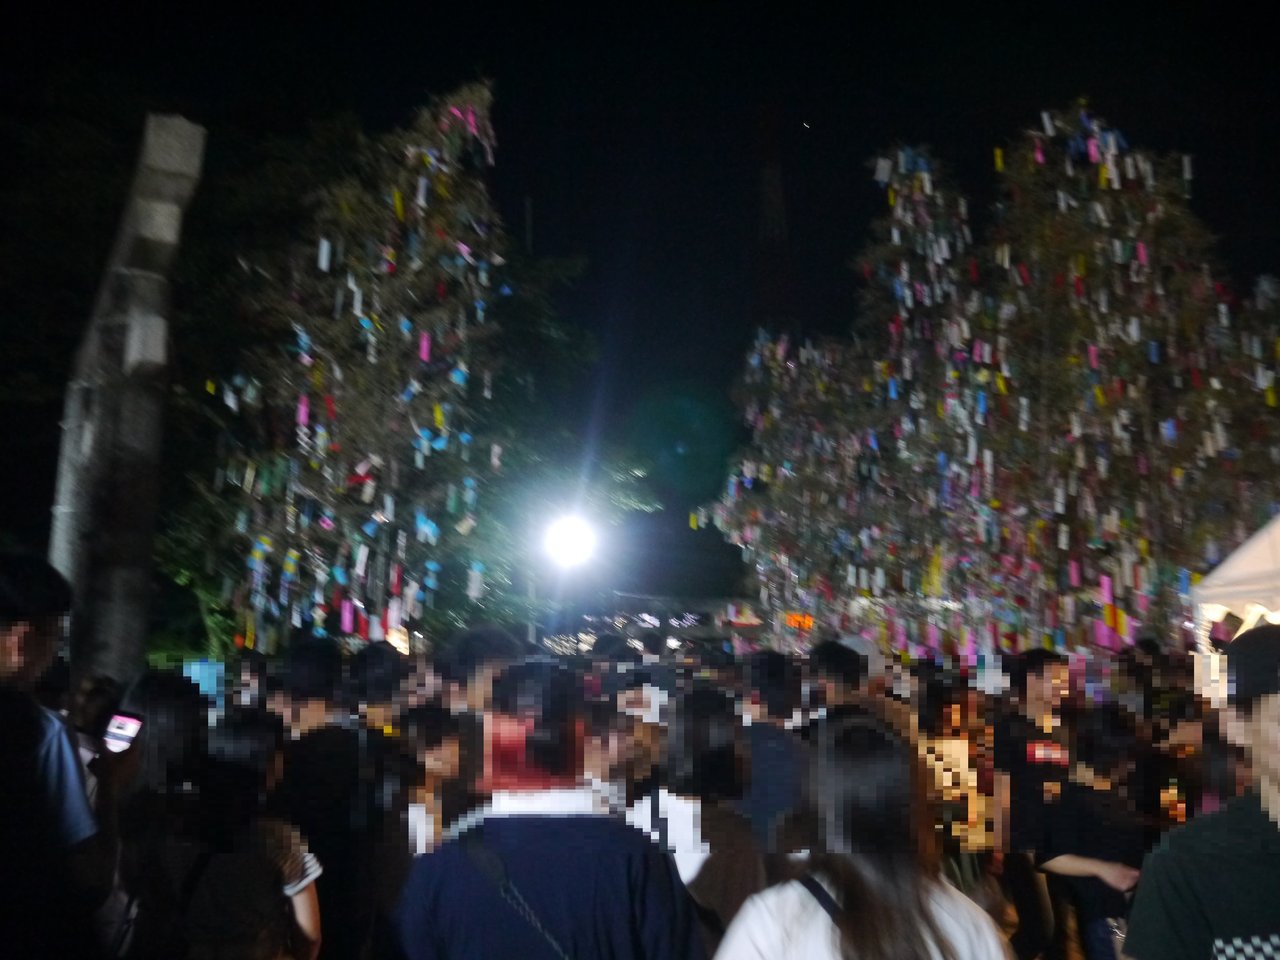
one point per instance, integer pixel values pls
(825, 900)
(490, 864)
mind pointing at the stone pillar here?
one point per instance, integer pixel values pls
(108, 469)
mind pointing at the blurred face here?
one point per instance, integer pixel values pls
(1259, 735)
(28, 647)
(443, 761)
(480, 690)
(1049, 688)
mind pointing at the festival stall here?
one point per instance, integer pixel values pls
(1246, 584)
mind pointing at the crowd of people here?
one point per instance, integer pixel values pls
(635, 802)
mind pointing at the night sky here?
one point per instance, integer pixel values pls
(637, 138)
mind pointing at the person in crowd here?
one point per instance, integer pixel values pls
(872, 888)
(377, 679)
(430, 737)
(1094, 838)
(471, 661)
(378, 689)
(307, 696)
(542, 870)
(242, 884)
(1031, 761)
(249, 679)
(170, 746)
(773, 697)
(944, 748)
(1209, 888)
(839, 675)
(704, 772)
(1221, 763)
(608, 752)
(333, 785)
(643, 695)
(58, 852)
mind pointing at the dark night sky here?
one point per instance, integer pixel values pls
(636, 136)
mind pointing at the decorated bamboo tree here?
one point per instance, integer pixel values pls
(1137, 441)
(360, 455)
(1043, 445)
(847, 486)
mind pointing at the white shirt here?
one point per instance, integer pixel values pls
(786, 922)
(684, 833)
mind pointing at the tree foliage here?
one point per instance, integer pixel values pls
(1043, 441)
(370, 439)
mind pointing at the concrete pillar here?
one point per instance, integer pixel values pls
(108, 470)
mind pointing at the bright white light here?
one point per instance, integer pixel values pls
(570, 542)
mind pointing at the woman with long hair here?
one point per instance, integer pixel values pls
(873, 888)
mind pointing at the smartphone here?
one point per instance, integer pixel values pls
(121, 732)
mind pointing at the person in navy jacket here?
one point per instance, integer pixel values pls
(543, 870)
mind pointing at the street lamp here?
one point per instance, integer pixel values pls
(569, 542)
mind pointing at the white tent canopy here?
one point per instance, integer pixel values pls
(1248, 579)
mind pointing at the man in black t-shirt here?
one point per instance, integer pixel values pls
(1093, 843)
(1211, 890)
(1031, 762)
(334, 775)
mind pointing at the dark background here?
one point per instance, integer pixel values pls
(636, 135)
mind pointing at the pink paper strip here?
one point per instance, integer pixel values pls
(1101, 634)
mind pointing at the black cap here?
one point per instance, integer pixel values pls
(1253, 665)
(30, 588)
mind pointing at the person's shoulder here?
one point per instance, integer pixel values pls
(608, 829)
(964, 922)
(1234, 831)
(438, 872)
(53, 727)
(769, 920)
(789, 904)
(1200, 836)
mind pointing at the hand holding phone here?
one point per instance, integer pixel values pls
(122, 730)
